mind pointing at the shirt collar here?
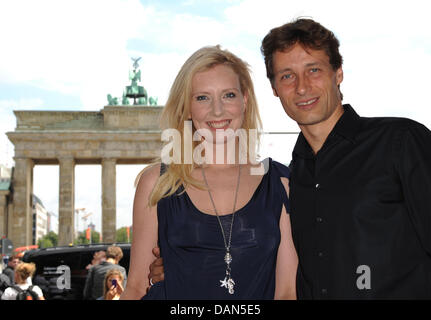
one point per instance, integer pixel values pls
(347, 127)
(349, 124)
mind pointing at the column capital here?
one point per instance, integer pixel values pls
(109, 159)
(65, 158)
(20, 158)
(23, 160)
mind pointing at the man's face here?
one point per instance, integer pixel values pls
(14, 262)
(307, 85)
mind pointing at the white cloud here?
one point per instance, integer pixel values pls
(385, 45)
(74, 47)
(23, 103)
(8, 123)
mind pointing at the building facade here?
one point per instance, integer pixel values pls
(114, 135)
(40, 219)
(5, 198)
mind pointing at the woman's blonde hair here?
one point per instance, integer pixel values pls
(177, 111)
(111, 272)
(25, 270)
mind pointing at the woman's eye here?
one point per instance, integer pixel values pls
(230, 95)
(201, 98)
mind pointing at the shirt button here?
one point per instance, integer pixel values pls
(320, 254)
(324, 291)
(317, 185)
(319, 219)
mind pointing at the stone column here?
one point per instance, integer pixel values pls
(108, 200)
(22, 220)
(9, 220)
(66, 211)
(3, 212)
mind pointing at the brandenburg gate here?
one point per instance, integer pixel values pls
(113, 135)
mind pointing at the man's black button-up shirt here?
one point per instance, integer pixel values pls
(361, 210)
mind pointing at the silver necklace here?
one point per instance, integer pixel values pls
(227, 282)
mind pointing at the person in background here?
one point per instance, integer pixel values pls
(95, 281)
(98, 257)
(12, 263)
(23, 271)
(114, 286)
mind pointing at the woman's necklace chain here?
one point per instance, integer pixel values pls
(228, 282)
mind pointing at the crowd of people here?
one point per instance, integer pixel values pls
(16, 281)
(105, 280)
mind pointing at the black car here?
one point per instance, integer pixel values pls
(53, 265)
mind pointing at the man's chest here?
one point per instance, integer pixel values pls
(343, 184)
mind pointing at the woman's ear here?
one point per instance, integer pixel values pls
(245, 100)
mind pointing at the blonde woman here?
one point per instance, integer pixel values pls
(23, 272)
(222, 226)
(113, 285)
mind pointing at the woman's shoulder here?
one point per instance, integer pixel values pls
(278, 168)
(148, 176)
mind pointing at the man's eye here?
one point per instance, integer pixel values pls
(286, 76)
(314, 70)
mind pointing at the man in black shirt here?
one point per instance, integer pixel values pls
(360, 188)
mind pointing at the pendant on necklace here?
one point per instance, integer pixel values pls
(228, 258)
(228, 283)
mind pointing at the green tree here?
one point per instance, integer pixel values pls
(82, 239)
(53, 237)
(121, 235)
(48, 240)
(45, 243)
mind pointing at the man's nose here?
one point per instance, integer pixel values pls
(302, 85)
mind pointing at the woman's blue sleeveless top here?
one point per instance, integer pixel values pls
(193, 250)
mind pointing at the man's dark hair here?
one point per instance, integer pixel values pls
(306, 32)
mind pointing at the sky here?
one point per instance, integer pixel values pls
(68, 55)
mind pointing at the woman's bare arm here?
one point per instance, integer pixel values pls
(145, 236)
(287, 258)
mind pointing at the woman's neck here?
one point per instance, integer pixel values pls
(225, 155)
